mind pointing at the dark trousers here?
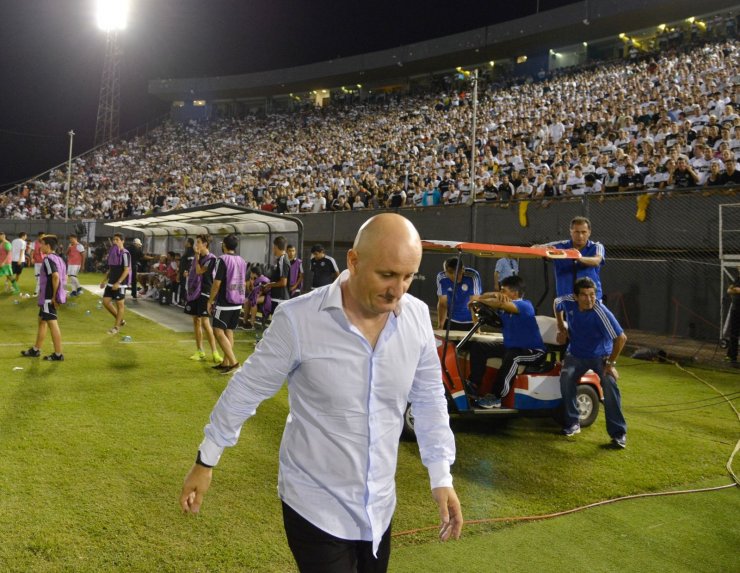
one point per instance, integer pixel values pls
(134, 285)
(457, 325)
(315, 551)
(511, 358)
(734, 332)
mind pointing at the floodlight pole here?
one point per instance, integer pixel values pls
(472, 146)
(109, 103)
(71, 134)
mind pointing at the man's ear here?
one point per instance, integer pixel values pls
(352, 259)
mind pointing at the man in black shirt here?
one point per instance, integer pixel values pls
(684, 175)
(734, 320)
(186, 261)
(630, 180)
(136, 259)
(278, 285)
(731, 176)
(323, 267)
(281, 203)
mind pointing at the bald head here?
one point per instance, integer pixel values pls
(382, 263)
(387, 227)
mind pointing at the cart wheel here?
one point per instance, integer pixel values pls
(408, 424)
(587, 402)
(724, 343)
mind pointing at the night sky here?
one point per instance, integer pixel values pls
(52, 54)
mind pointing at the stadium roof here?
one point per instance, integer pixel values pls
(586, 21)
(216, 219)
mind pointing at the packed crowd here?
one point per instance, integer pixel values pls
(665, 121)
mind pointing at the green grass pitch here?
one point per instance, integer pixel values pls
(94, 451)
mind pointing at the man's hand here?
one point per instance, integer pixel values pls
(562, 336)
(611, 370)
(450, 513)
(195, 487)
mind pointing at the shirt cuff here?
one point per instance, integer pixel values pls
(439, 475)
(210, 453)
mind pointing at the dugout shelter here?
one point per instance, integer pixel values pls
(167, 231)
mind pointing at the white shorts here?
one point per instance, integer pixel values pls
(37, 268)
(72, 270)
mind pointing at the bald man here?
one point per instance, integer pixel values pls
(354, 353)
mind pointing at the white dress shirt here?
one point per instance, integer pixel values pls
(340, 444)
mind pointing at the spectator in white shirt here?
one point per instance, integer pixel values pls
(319, 204)
(575, 183)
(654, 181)
(293, 203)
(525, 189)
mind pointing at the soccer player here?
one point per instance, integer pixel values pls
(75, 262)
(53, 279)
(198, 288)
(37, 257)
(257, 297)
(280, 274)
(117, 280)
(6, 257)
(18, 259)
(295, 280)
(226, 300)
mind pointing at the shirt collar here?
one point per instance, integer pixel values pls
(333, 295)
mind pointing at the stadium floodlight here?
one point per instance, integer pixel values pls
(112, 14)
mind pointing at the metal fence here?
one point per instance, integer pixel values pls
(664, 277)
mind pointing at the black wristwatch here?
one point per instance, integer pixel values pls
(201, 462)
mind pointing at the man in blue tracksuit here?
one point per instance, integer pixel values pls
(567, 271)
(455, 288)
(595, 340)
(522, 342)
